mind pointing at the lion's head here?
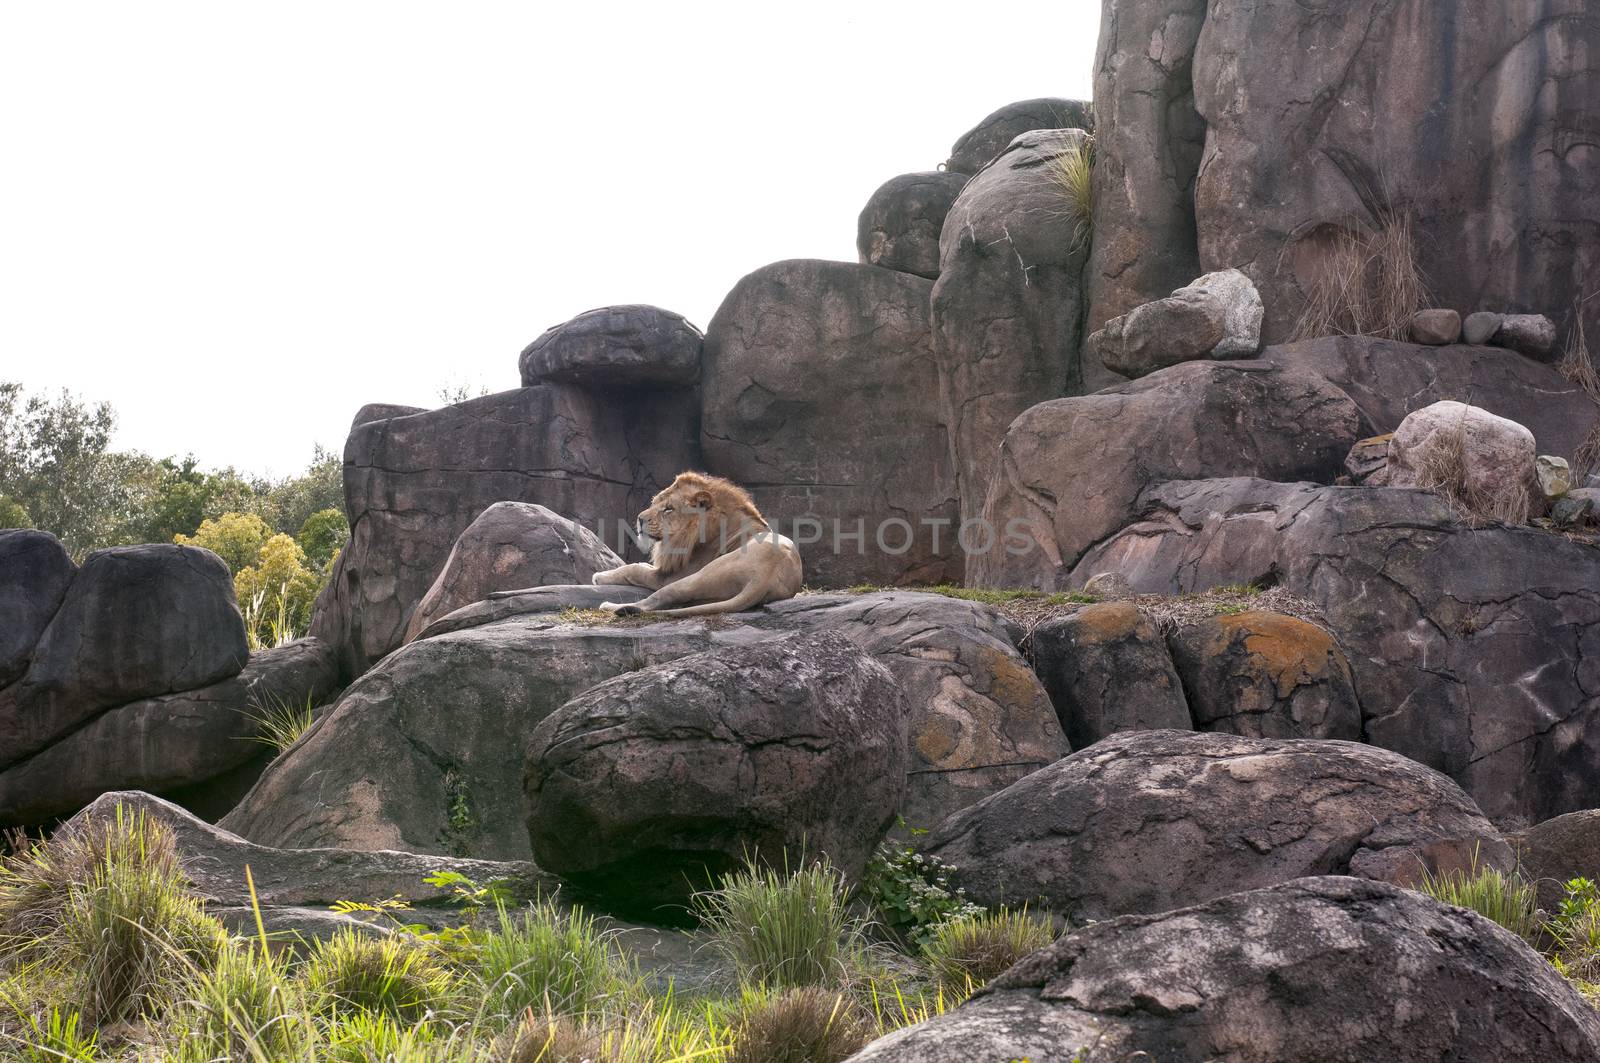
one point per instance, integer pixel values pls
(694, 511)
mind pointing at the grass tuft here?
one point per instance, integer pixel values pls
(965, 954)
(1443, 469)
(781, 929)
(805, 1024)
(1502, 898)
(543, 958)
(280, 722)
(387, 975)
(1365, 283)
(1073, 174)
(1577, 365)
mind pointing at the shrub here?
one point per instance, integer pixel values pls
(276, 591)
(544, 958)
(805, 1024)
(1576, 930)
(1503, 898)
(322, 536)
(390, 975)
(1073, 173)
(237, 538)
(1364, 283)
(782, 928)
(911, 892)
(966, 953)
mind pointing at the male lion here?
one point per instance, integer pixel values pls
(711, 545)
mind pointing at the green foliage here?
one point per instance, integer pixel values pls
(391, 975)
(237, 538)
(276, 592)
(1503, 898)
(13, 515)
(279, 722)
(544, 958)
(805, 1024)
(322, 535)
(912, 894)
(1576, 929)
(52, 1037)
(966, 954)
(244, 1004)
(781, 928)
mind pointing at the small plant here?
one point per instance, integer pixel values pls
(55, 1037)
(388, 975)
(1365, 283)
(1576, 930)
(544, 958)
(966, 954)
(780, 928)
(1073, 173)
(911, 892)
(805, 1024)
(280, 722)
(1497, 896)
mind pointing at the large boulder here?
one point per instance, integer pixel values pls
(1553, 853)
(615, 348)
(1159, 334)
(136, 621)
(1148, 142)
(1475, 123)
(170, 742)
(822, 397)
(1007, 304)
(1321, 970)
(424, 751)
(414, 482)
(1485, 461)
(1475, 651)
(511, 545)
(900, 225)
(1107, 669)
(978, 145)
(1145, 821)
(1070, 471)
(34, 573)
(1266, 675)
(652, 785)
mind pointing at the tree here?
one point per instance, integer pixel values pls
(276, 592)
(293, 501)
(322, 536)
(12, 515)
(237, 538)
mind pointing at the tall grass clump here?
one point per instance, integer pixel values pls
(1495, 895)
(244, 1006)
(389, 975)
(965, 954)
(544, 958)
(782, 928)
(1073, 173)
(1365, 283)
(648, 1032)
(805, 1024)
(1577, 365)
(280, 722)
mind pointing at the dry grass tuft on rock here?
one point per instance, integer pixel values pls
(965, 954)
(1443, 468)
(1365, 283)
(1577, 365)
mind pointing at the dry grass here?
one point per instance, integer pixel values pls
(1073, 173)
(805, 1024)
(1443, 470)
(1366, 283)
(1577, 365)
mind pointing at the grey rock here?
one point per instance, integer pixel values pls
(1368, 456)
(1436, 328)
(34, 573)
(991, 136)
(1576, 507)
(1531, 334)
(1248, 978)
(1479, 328)
(136, 621)
(1107, 670)
(900, 225)
(1159, 335)
(1241, 310)
(1148, 821)
(382, 411)
(615, 347)
(1108, 585)
(822, 396)
(1552, 475)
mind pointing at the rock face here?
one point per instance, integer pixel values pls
(899, 227)
(1071, 470)
(652, 785)
(821, 396)
(1552, 853)
(510, 546)
(1147, 152)
(1248, 978)
(615, 347)
(1475, 651)
(1490, 459)
(413, 483)
(1107, 670)
(1266, 675)
(136, 621)
(34, 573)
(169, 742)
(1476, 122)
(1147, 821)
(1007, 303)
(424, 751)
(991, 136)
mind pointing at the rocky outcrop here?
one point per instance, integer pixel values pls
(1266, 675)
(1007, 303)
(425, 751)
(1319, 970)
(34, 573)
(1107, 669)
(510, 546)
(1147, 821)
(652, 785)
(899, 227)
(978, 145)
(413, 483)
(821, 397)
(616, 348)
(1552, 853)
(135, 621)
(1475, 651)
(1070, 471)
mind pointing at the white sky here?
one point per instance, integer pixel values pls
(240, 222)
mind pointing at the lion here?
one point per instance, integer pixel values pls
(711, 546)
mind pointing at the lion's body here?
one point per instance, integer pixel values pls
(714, 553)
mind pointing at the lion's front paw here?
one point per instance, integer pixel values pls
(606, 578)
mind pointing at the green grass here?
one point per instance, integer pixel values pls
(965, 954)
(1503, 898)
(781, 929)
(389, 975)
(280, 722)
(547, 959)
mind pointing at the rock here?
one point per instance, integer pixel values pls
(1147, 821)
(1007, 303)
(511, 545)
(1576, 507)
(899, 227)
(616, 347)
(1436, 328)
(1241, 311)
(1554, 852)
(1148, 144)
(1484, 460)
(991, 136)
(414, 483)
(1071, 470)
(1107, 670)
(1159, 334)
(1475, 651)
(420, 753)
(1248, 978)
(136, 621)
(1388, 380)
(1266, 675)
(169, 742)
(1108, 585)
(822, 397)
(1479, 328)
(1531, 334)
(1552, 475)
(653, 785)
(34, 574)
(1368, 456)
(1499, 212)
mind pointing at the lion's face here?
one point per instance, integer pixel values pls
(692, 511)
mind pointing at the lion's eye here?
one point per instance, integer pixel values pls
(666, 509)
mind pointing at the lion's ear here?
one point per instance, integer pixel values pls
(700, 500)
